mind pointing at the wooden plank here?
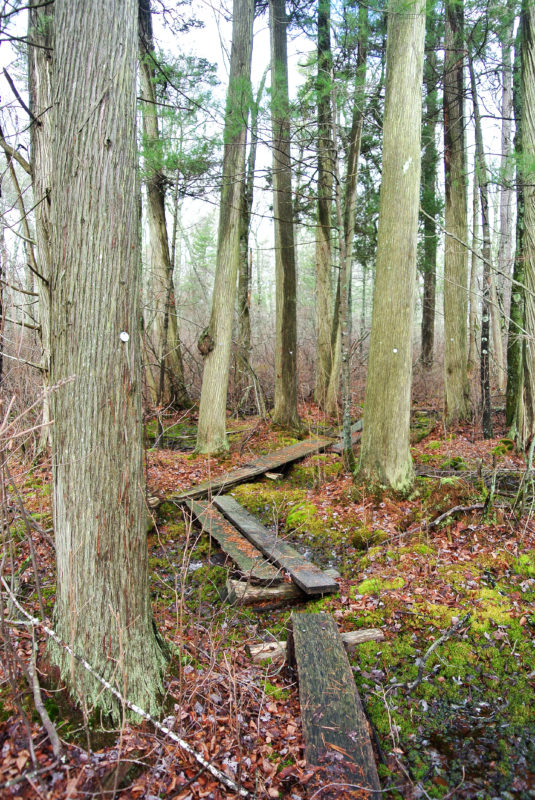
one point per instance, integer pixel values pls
(250, 560)
(331, 710)
(277, 650)
(310, 578)
(356, 433)
(268, 463)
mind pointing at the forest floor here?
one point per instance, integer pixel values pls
(454, 720)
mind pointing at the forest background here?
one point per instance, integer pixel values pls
(398, 167)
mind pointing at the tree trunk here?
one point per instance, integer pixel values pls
(246, 255)
(102, 595)
(215, 343)
(161, 320)
(325, 205)
(41, 31)
(516, 321)
(473, 317)
(486, 254)
(526, 414)
(385, 453)
(429, 201)
(505, 247)
(285, 412)
(349, 212)
(457, 397)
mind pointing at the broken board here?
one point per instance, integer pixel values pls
(334, 724)
(268, 463)
(310, 578)
(356, 433)
(250, 560)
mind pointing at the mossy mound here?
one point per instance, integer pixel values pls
(315, 471)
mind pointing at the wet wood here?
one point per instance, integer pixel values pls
(356, 433)
(268, 463)
(310, 578)
(249, 560)
(331, 710)
(277, 650)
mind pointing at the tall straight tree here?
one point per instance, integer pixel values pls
(483, 183)
(215, 342)
(385, 454)
(102, 595)
(516, 322)
(456, 387)
(285, 412)
(342, 306)
(161, 325)
(325, 204)
(429, 196)
(526, 413)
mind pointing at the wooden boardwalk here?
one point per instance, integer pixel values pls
(268, 463)
(249, 560)
(334, 723)
(310, 578)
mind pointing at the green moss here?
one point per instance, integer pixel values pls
(275, 691)
(525, 564)
(434, 445)
(455, 462)
(314, 471)
(375, 585)
(303, 514)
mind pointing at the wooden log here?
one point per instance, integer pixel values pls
(277, 650)
(268, 463)
(310, 578)
(250, 560)
(331, 711)
(241, 593)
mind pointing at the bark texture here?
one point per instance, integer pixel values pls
(102, 598)
(385, 454)
(456, 388)
(285, 412)
(161, 324)
(325, 204)
(526, 416)
(429, 200)
(211, 434)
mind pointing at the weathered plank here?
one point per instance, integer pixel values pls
(331, 710)
(250, 560)
(268, 463)
(277, 650)
(356, 433)
(310, 578)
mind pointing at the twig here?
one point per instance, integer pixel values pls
(14, 89)
(445, 636)
(40, 706)
(455, 510)
(220, 776)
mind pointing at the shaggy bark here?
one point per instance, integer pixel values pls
(102, 595)
(385, 453)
